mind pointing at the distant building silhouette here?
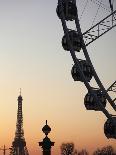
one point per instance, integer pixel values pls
(19, 143)
(4, 149)
(46, 144)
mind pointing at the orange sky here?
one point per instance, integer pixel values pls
(32, 58)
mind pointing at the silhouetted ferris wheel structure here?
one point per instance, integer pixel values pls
(83, 70)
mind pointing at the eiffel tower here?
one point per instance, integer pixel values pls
(19, 143)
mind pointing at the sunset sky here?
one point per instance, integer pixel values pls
(32, 58)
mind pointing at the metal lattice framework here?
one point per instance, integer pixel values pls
(112, 88)
(86, 38)
(100, 28)
(19, 143)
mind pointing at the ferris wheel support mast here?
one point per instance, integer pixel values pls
(100, 28)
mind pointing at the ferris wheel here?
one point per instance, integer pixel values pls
(83, 70)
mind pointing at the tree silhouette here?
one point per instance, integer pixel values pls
(108, 150)
(67, 148)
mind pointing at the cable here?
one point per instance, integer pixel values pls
(84, 9)
(102, 5)
(96, 13)
(111, 5)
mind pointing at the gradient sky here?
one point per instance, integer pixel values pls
(32, 58)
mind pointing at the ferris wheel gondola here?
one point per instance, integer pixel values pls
(86, 68)
(90, 101)
(110, 128)
(69, 9)
(75, 41)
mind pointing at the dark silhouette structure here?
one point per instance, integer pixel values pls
(4, 149)
(46, 144)
(107, 150)
(67, 148)
(83, 70)
(19, 143)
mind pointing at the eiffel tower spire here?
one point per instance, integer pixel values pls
(19, 143)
